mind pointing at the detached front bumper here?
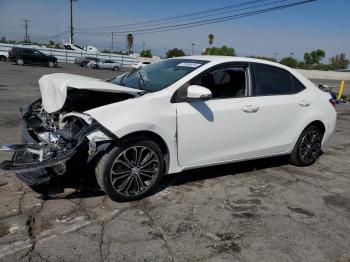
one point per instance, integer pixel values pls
(26, 164)
(34, 162)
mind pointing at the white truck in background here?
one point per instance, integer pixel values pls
(88, 49)
(4, 56)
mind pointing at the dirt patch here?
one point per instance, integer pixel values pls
(338, 201)
(301, 211)
(8, 121)
(228, 243)
(4, 229)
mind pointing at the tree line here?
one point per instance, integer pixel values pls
(312, 60)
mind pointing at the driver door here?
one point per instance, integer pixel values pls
(224, 128)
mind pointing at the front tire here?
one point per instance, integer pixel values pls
(19, 61)
(51, 64)
(308, 147)
(130, 172)
(3, 58)
(116, 68)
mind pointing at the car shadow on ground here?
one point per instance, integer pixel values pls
(88, 188)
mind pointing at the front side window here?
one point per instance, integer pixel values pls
(271, 80)
(158, 76)
(224, 82)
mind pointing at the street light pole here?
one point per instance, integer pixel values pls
(112, 42)
(192, 47)
(71, 21)
(26, 25)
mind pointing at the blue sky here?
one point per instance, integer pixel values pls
(322, 24)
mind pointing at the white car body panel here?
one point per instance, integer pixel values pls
(140, 64)
(204, 133)
(5, 54)
(53, 88)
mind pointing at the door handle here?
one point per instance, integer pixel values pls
(250, 109)
(304, 103)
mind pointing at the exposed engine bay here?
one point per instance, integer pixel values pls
(51, 139)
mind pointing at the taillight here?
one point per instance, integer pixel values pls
(333, 102)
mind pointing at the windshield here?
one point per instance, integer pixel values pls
(158, 76)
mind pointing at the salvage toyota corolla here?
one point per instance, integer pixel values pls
(170, 116)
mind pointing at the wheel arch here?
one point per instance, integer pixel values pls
(155, 138)
(319, 124)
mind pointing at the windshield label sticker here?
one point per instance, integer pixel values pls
(189, 65)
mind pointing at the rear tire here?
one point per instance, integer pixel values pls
(19, 61)
(116, 68)
(131, 171)
(308, 147)
(3, 58)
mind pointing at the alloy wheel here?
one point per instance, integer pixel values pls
(310, 146)
(134, 170)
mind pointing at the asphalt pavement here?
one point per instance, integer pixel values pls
(265, 210)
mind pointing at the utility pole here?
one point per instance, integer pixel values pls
(143, 46)
(57, 34)
(192, 47)
(26, 25)
(276, 54)
(71, 21)
(112, 42)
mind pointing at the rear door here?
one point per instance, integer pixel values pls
(282, 108)
(106, 64)
(38, 57)
(27, 55)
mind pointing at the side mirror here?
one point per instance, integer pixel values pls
(198, 93)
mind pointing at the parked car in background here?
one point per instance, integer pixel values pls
(104, 64)
(140, 64)
(83, 61)
(4, 55)
(23, 56)
(174, 115)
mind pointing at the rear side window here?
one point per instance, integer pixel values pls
(298, 86)
(27, 51)
(271, 80)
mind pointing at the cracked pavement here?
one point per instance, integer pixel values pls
(263, 210)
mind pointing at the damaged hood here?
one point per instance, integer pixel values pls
(53, 88)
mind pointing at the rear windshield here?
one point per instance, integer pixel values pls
(158, 76)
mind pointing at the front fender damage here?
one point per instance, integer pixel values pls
(50, 144)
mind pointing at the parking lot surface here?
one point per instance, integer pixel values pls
(263, 210)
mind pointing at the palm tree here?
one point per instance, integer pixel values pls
(211, 40)
(130, 42)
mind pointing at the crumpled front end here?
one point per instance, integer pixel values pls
(51, 140)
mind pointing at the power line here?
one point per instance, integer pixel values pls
(52, 36)
(206, 21)
(205, 16)
(177, 17)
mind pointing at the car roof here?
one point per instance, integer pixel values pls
(225, 59)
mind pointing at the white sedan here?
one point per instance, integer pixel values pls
(137, 65)
(174, 115)
(4, 55)
(104, 64)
